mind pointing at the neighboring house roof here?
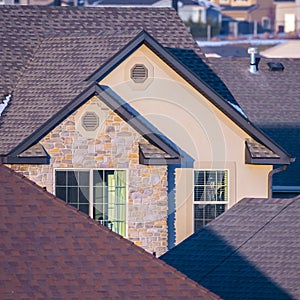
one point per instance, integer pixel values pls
(123, 2)
(249, 252)
(226, 8)
(224, 51)
(289, 49)
(271, 101)
(51, 250)
(63, 52)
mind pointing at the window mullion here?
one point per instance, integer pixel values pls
(91, 194)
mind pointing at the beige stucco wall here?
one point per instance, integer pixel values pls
(283, 9)
(235, 3)
(113, 146)
(195, 125)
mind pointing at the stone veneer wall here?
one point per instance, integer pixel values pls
(115, 147)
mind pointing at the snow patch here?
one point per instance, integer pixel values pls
(238, 108)
(5, 103)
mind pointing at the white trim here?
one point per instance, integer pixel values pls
(210, 202)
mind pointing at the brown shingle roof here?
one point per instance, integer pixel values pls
(50, 250)
(48, 52)
(249, 252)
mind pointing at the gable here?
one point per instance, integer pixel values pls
(64, 86)
(182, 110)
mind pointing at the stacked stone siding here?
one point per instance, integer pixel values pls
(115, 146)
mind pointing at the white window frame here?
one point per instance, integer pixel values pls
(210, 202)
(91, 185)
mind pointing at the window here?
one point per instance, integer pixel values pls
(101, 194)
(210, 195)
(266, 23)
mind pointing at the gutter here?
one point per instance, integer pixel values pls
(270, 178)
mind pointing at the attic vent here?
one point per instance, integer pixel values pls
(275, 66)
(139, 73)
(90, 121)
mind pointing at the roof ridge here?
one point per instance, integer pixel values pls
(100, 33)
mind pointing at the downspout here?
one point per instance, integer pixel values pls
(270, 178)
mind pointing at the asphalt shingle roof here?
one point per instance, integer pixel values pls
(249, 252)
(49, 250)
(47, 53)
(271, 100)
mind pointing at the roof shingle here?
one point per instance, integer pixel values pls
(271, 101)
(50, 250)
(249, 252)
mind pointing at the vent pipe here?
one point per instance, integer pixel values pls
(253, 67)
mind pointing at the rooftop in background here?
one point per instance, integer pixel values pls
(289, 49)
(50, 250)
(249, 252)
(271, 101)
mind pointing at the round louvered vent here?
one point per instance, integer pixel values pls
(139, 73)
(90, 121)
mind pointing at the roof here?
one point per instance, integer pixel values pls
(225, 51)
(226, 8)
(288, 49)
(50, 250)
(271, 101)
(122, 2)
(72, 39)
(249, 252)
(61, 53)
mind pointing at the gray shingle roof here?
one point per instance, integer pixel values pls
(249, 252)
(51, 57)
(48, 52)
(49, 250)
(122, 2)
(271, 100)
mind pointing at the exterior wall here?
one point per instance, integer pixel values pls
(298, 16)
(189, 120)
(235, 2)
(195, 13)
(266, 9)
(283, 9)
(114, 146)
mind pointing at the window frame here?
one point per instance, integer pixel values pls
(226, 203)
(91, 188)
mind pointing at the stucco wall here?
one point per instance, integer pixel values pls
(186, 117)
(114, 146)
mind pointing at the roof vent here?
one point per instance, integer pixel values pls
(275, 66)
(253, 67)
(139, 73)
(90, 121)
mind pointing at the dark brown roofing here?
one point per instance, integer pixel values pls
(49, 250)
(249, 252)
(271, 100)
